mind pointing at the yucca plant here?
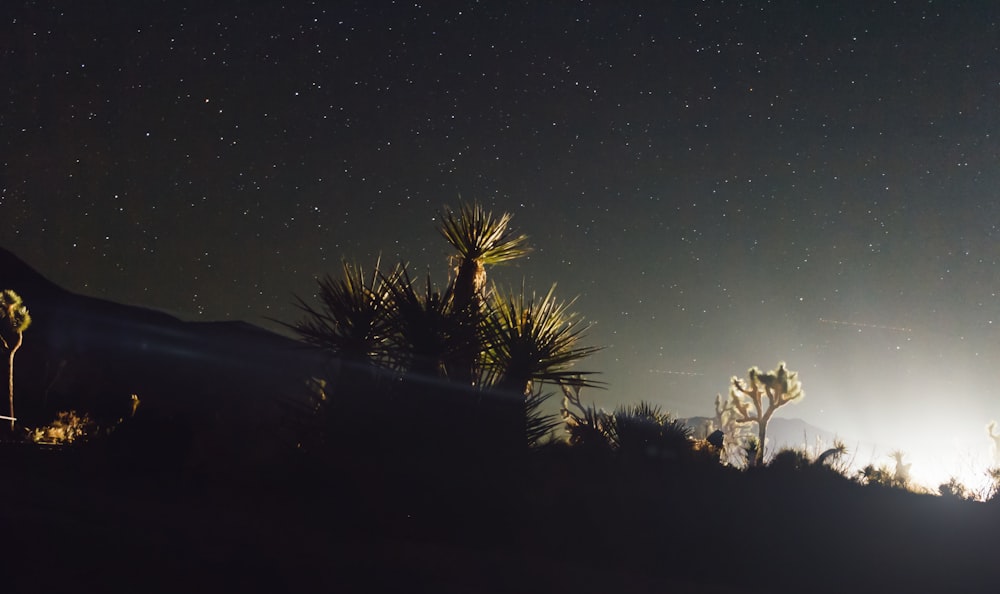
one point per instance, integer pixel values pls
(16, 320)
(425, 337)
(480, 239)
(589, 427)
(879, 476)
(837, 452)
(644, 430)
(538, 424)
(528, 340)
(352, 321)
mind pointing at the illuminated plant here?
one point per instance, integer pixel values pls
(424, 336)
(351, 321)
(756, 400)
(996, 440)
(480, 240)
(876, 476)
(528, 340)
(733, 433)
(882, 476)
(65, 429)
(15, 321)
(902, 472)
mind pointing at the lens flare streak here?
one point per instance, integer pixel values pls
(863, 325)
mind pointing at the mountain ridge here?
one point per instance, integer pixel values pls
(92, 353)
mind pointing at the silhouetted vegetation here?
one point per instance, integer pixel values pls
(422, 452)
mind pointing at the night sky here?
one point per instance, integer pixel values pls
(721, 184)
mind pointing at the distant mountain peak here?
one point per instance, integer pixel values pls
(19, 276)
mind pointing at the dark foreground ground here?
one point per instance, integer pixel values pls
(86, 521)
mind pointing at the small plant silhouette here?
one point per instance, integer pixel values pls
(953, 489)
(901, 475)
(644, 430)
(589, 427)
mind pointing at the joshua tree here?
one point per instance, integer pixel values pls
(996, 440)
(902, 474)
(733, 433)
(15, 321)
(778, 387)
(481, 240)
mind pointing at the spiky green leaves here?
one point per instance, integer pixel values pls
(646, 430)
(527, 339)
(426, 331)
(353, 319)
(479, 235)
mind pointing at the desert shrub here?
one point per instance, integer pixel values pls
(879, 476)
(67, 428)
(789, 459)
(953, 489)
(645, 431)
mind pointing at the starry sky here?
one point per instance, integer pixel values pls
(720, 184)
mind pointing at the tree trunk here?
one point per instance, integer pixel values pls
(10, 376)
(761, 436)
(470, 282)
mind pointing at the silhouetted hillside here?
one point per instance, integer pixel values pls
(92, 354)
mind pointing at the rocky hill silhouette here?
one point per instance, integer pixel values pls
(85, 353)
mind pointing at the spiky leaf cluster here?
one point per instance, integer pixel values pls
(352, 320)
(426, 330)
(589, 427)
(644, 429)
(477, 234)
(461, 336)
(538, 424)
(527, 339)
